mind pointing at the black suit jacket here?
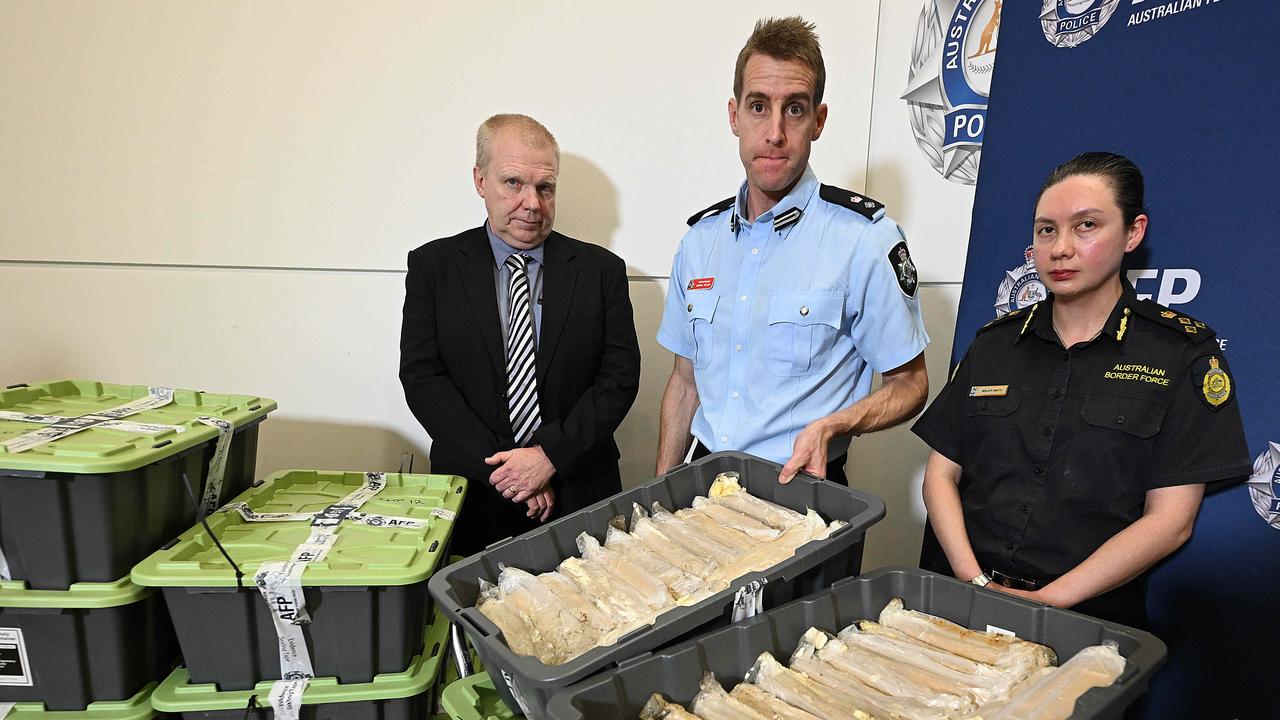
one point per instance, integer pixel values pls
(453, 369)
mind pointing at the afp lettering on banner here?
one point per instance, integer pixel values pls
(953, 56)
(1171, 286)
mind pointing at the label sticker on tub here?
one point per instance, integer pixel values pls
(286, 697)
(14, 669)
(156, 397)
(211, 499)
(1001, 631)
(515, 692)
(749, 600)
(4, 567)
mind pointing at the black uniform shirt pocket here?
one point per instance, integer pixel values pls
(992, 436)
(1112, 445)
(803, 328)
(700, 311)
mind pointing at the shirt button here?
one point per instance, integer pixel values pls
(1009, 546)
(734, 393)
(724, 438)
(804, 310)
(1046, 431)
(738, 348)
(1057, 392)
(755, 251)
(1119, 419)
(690, 307)
(743, 298)
(1039, 471)
(1024, 508)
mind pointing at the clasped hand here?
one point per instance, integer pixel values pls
(523, 475)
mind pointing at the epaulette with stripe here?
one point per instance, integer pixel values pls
(716, 209)
(1017, 314)
(867, 207)
(1189, 327)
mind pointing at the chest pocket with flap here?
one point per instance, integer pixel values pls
(803, 329)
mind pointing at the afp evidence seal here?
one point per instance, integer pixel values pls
(952, 57)
(1067, 23)
(1021, 286)
(1264, 485)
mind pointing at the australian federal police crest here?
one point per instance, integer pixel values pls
(950, 81)
(1021, 286)
(1067, 23)
(1264, 485)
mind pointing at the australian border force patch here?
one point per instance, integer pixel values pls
(903, 269)
(1215, 381)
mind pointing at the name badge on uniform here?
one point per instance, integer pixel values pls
(705, 283)
(988, 391)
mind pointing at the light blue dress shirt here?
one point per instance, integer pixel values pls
(787, 324)
(502, 281)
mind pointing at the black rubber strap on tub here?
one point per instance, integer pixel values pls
(204, 522)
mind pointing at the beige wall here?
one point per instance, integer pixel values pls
(220, 195)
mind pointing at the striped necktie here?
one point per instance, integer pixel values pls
(522, 385)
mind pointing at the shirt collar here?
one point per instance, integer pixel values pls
(502, 251)
(1040, 317)
(788, 210)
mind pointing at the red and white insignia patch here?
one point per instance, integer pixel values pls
(705, 283)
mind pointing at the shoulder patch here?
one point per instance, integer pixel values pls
(903, 269)
(716, 209)
(1016, 314)
(1192, 329)
(1212, 380)
(857, 202)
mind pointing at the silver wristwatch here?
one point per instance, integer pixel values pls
(982, 580)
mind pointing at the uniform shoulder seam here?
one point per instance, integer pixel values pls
(867, 207)
(1016, 314)
(1188, 327)
(705, 213)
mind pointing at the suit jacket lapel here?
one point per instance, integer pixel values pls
(560, 275)
(475, 263)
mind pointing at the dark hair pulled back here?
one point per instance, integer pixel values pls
(1120, 173)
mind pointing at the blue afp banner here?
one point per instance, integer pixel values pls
(1190, 89)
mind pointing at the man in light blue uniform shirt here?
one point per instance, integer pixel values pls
(785, 299)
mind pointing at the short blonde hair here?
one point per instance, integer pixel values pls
(532, 132)
(789, 38)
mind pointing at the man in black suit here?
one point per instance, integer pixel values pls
(518, 350)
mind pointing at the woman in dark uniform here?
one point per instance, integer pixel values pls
(1073, 445)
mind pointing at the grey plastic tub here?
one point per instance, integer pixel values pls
(730, 652)
(525, 684)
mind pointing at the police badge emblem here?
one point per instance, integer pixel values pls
(953, 55)
(1021, 286)
(904, 269)
(1216, 385)
(1067, 23)
(1264, 485)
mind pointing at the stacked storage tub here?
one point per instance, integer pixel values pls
(526, 685)
(78, 511)
(475, 698)
(373, 640)
(137, 707)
